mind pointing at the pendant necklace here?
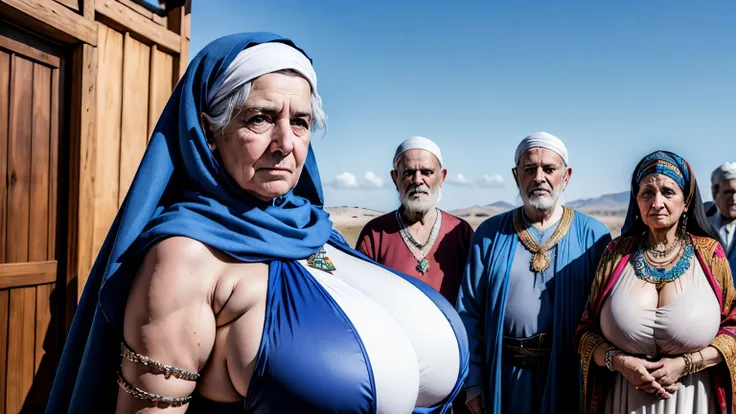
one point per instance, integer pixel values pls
(541, 258)
(418, 250)
(320, 261)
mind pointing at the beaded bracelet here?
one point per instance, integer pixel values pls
(157, 367)
(610, 353)
(156, 400)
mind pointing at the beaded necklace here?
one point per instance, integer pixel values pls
(657, 273)
(418, 250)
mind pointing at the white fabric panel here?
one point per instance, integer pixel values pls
(419, 318)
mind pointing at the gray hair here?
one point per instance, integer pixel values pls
(228, 104)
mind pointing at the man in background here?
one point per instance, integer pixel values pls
(419, 239)
(722, 215)
(524, 289)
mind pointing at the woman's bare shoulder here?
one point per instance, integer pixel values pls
(193, 268)
(179, 265)
(183, 249)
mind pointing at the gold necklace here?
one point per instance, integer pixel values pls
(540, 254)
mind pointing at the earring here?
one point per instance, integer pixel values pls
(683, 224)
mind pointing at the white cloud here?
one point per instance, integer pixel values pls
(491, 181)
(372, 180)
(459, 180)
(344, 180)
(348, 181)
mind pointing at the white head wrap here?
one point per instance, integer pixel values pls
(417, 142)
(541, 140)
(726, 172)
(257, 61)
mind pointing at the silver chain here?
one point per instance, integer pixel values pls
(418, 250)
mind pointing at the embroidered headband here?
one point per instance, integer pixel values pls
(662, 163)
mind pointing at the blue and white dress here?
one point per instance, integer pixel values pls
(358, 340)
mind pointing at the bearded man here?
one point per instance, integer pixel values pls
(419, 239)
(524, 288)
(722, 216)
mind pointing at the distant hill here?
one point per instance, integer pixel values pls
(606, 205)
(502, 205)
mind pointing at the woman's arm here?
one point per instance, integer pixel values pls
(635, 370)
(705, 358)
(169, 319)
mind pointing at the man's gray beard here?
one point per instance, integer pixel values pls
(543, 202)
(421, 205)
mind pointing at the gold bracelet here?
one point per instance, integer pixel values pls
(158, 401)
(688, 363)
(157, 367)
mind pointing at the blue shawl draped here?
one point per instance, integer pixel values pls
(180, 189)
(484, 294)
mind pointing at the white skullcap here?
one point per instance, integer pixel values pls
(726, 172)
(257, 61)
(541, 140)
(417, 142)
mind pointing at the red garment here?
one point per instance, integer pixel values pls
(381, 241)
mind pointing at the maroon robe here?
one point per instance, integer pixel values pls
(381, 241)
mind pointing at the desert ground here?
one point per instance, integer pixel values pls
(350, 220)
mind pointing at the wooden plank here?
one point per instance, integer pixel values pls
(4, 95)
(109, 112)
(82, 166)
(130, 20)
(72, 4)
(51, 19)
(162, 67)
(88, 9)
(179, 22)
(157, 18)
(40, 136)
(53, 164)
(137, 8)
(135, 111)
(21, 347)
(29, 52)
(4, 316)
(19, 159)
(43, 318)
(25, 274)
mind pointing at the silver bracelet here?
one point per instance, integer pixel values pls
(610, 353)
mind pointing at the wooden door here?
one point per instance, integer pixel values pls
(29, 182)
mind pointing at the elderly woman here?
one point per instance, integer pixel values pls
(222, 286)
(659, 331)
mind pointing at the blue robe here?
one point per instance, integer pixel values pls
(484, 294)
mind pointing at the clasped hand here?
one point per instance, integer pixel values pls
(658, 377)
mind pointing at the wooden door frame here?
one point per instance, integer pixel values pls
(78, 33)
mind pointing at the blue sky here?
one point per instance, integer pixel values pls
(614, 80)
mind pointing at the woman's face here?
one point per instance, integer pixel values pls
(265, 145)
(661, 201)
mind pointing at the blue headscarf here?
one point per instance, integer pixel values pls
(181, 189)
